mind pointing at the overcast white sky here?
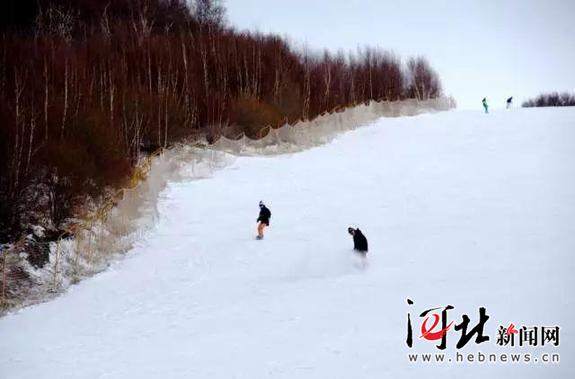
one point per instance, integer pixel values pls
(492, 48)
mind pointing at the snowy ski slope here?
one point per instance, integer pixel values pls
(460, 208)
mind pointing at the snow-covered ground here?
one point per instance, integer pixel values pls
(460, 208)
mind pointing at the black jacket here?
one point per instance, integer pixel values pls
(265, 215)
(359, 241)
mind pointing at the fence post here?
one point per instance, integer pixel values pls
(57, 266)
(76, 271)
(90, 233)
(3, 295)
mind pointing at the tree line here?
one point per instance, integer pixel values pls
(553, 99)
(87, 85)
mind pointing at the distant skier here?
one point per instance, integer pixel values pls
(484, 102)
(263, 220)
(509, 102)
(359, 241)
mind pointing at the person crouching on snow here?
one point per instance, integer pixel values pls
(263, 220)
(359, 241)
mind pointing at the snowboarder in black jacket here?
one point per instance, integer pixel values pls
(509, 102)
(359, 240)
(263, 219)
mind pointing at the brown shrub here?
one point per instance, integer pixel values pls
(253, 115)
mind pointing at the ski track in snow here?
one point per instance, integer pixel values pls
(459, 208)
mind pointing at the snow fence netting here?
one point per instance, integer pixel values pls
(90, 245)
(322, 129)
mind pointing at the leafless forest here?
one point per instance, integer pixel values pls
(87, 86)
(553, 99)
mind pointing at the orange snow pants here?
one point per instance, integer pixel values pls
(261, 227)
